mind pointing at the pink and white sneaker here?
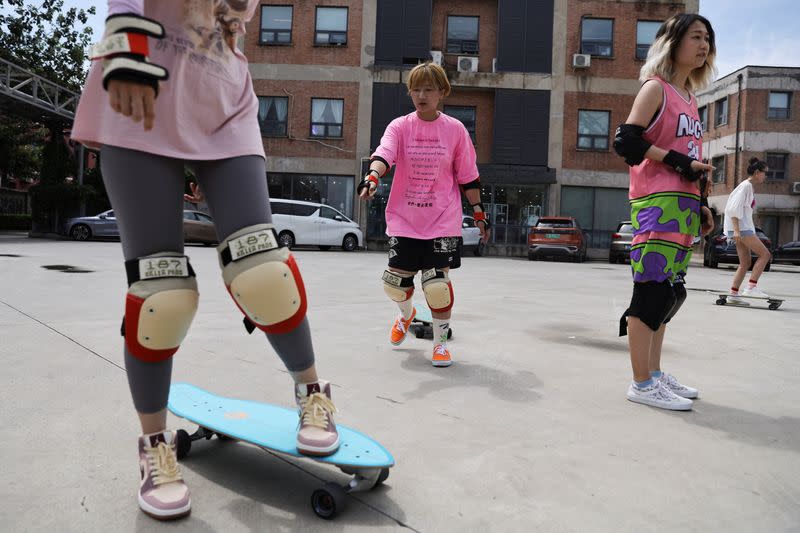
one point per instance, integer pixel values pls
(316, 434)
(162, 492)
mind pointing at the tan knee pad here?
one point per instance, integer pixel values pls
(438, 290)
(398, 288)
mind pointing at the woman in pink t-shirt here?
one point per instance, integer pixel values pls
(434, 159)
(173, 91)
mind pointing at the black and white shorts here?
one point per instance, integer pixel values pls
(410, 254)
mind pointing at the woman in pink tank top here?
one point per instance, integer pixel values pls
(662, 142)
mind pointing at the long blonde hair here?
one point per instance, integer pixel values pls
(660, 57)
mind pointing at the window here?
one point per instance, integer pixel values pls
(593, 130)
(466, 115)
(303, 210)
(645, 35)
(204, 218)
(327, 212)
(331, 26)
(280, 208)
(703, 112)
(276, 25)
(272, 112)
(718, 176)
(326, 117)
(779, 105)
(335, 191)
(776, 164)
(188, 215)
(462, 35)
(721, 112)
(597, 37)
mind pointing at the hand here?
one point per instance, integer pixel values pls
(134, 100)
(699, 166)
(708, 221)
(197, 195)
(485, 232)
(736, 237)
(367, 188)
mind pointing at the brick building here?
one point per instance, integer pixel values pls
(330, 76)
(749, 113)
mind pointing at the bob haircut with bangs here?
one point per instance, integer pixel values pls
(429, 73)
(661, 56)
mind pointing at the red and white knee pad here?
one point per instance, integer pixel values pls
(263, 279)
(160, 305)
(438, 290)
(397, 287)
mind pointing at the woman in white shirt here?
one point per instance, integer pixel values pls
(739, 228)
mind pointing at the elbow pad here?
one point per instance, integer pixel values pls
(628, 143)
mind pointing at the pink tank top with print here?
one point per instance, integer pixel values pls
(676, 127)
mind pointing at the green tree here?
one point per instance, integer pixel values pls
(21, 144)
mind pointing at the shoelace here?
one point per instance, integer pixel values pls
(400, 325)
(316, 410)
(671, 382)
(663, 393)
(163, 464)
(440, 349)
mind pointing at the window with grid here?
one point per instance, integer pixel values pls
(466, 114)
(776, 166)
(721, 112)
(462, 35)
(331, 29)
(593, 130)
(597, 37)
(779, 105)
(718, 176)
(276, 25)
(273, 115)
(645, 35)
(326, 117)
(703, 112)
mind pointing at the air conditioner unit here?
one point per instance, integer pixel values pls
(581, 60)
(467, 64)
(437, 57)
(796, 187)
(494, 64)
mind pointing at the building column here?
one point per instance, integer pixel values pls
(555, 153)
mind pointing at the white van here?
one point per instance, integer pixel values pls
(306, 223)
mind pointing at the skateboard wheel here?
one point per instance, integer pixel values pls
(774, 306)
(328, 501)
(419, 332)
(449, 333)
(721, 301)
(383, 476)
(183, 443)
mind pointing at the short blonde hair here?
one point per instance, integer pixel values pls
(429, 73)
(660, 57)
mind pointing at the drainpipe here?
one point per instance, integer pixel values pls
(738, 124)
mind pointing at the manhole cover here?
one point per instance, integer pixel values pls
(67, 268)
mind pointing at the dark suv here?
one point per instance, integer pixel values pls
(719, 250)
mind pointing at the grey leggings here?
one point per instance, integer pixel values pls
(146, 192)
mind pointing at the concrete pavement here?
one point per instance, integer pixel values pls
(528, 431)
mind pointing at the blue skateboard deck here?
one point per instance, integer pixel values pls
(274, 428)
(422, 324)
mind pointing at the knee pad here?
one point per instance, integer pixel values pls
(651, 303)
(398, 288)
(680, 297)
(263, 279)
(160, 305)
(438, 290)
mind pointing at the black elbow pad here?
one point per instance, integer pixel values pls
(628, 143)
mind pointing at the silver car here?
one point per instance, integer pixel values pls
(197, 227)
(621, 239)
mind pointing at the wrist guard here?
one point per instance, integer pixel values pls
(682, 163)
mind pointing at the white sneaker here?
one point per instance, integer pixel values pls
(734, 298)
(658, 395)
(755, 292)
(672, 384)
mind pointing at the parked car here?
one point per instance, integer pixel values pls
(719, 250)
(620, 249)
(557, 236)
(197, 227)
(307, 223)
(787, 253)
(471, 235)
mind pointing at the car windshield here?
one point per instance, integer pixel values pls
(625, 228)
(554, 224)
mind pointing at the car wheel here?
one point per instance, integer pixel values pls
(349, 243)
(532, 256)
(324, 248)
(80, 232)
(478, 251)
(612, 259)
(286, 239)
(713, 264)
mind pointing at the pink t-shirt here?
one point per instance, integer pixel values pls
(207, 108)
(433, 158)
